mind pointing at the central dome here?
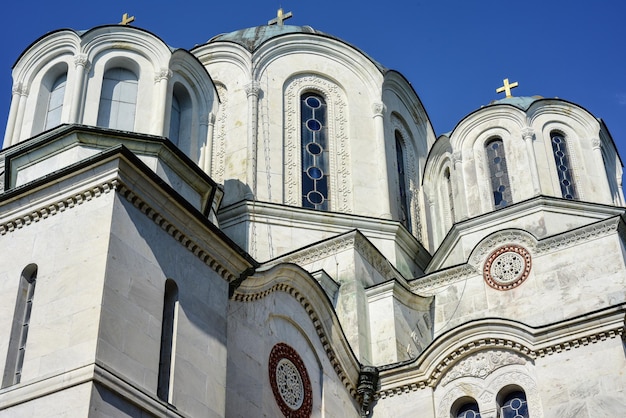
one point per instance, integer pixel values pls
(252, 38)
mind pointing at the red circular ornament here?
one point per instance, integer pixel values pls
(290, 382)
(507, 267)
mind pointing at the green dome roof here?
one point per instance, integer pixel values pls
(252, 38)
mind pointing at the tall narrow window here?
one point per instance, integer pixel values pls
(314, 152)
(405, 214)
(448, 192)
(500, 185)
(55, 102)
(118, 99)
(180, 120)
(468, 410)
(168, 340)
(514, 406)
(563, 167)
(19, 327)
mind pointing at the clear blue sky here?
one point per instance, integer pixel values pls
(455, 53)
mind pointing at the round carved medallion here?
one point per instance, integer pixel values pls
(290, 382)
(507, 267)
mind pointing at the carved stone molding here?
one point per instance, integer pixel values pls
(482, 364)
(163, 74)
(339, 146)
(378, 108)
(528, 134)
(82, 60)
(457, 158)
(368, 381)
(596, 143)
(253, 88)
(315, 319)
(20, 88)
(426, 285)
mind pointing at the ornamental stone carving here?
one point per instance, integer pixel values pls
(253, 88)
(507, 267)
(162, 74)
(82, 60)
(378, 108)
(528, 134)
(290, 382)
(482, 364)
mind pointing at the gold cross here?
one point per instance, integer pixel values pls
(126, 20)
(507, 87)
(280, 17)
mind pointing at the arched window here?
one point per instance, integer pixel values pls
(405, 214)
(467, 410)
(448, 192)
(19, 327)
(168, 340)
(55, 102)
(563, 166)
(314, 143)
(118, 99)
(498, 172)
(180, 119)
(514, 405)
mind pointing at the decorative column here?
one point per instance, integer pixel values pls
(528, 134)
(206, 152)
(460, 204)
(252, 92)
(81, 66)
(22, 91)
(16, 96)
(603, 186)
(161, 79)
(378, 109)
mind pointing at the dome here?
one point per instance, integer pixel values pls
(522, 102)
(252, 38)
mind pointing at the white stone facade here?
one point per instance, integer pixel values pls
(163, 254)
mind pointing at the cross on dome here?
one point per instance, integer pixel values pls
(126, 20)
(280, 17)
(507, 87)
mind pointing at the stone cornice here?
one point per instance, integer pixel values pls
(516, 236)
(272, 283)
(493, 334)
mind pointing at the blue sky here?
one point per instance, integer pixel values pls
(455, 53)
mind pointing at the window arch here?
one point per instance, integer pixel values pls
(19, 327)
(168, 340)
(498, 173)
(563, 165)
(514, 405)
(55, 102)
(468, 409)
(180, 116)
(405, 208)
(118, 99)
(449, 194)
(314, 152)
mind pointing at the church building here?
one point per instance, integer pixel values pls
(267, 225)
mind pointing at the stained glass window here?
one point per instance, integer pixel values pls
(315, 167)
(563, 166)
(468, 410)
(405, 216)
(500, 185)
(515, 406)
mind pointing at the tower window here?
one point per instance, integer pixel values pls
(168, 340)
(405, 214)
(498, 171)
(118, 100)
(314, 152)
(55, 102)
(19, 327)
(468, 410)
(180, 119)
(563, 166)
(514, 406)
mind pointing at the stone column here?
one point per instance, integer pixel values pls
(528, 134)
(81, 65)
(603, 186)
(378, 109)
(13, 111)
(22, 91)
(161, 79)
(252, 91)
(206, 152)
(458, 183)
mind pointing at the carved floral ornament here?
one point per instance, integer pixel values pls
(507, 267)
(290, 382)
